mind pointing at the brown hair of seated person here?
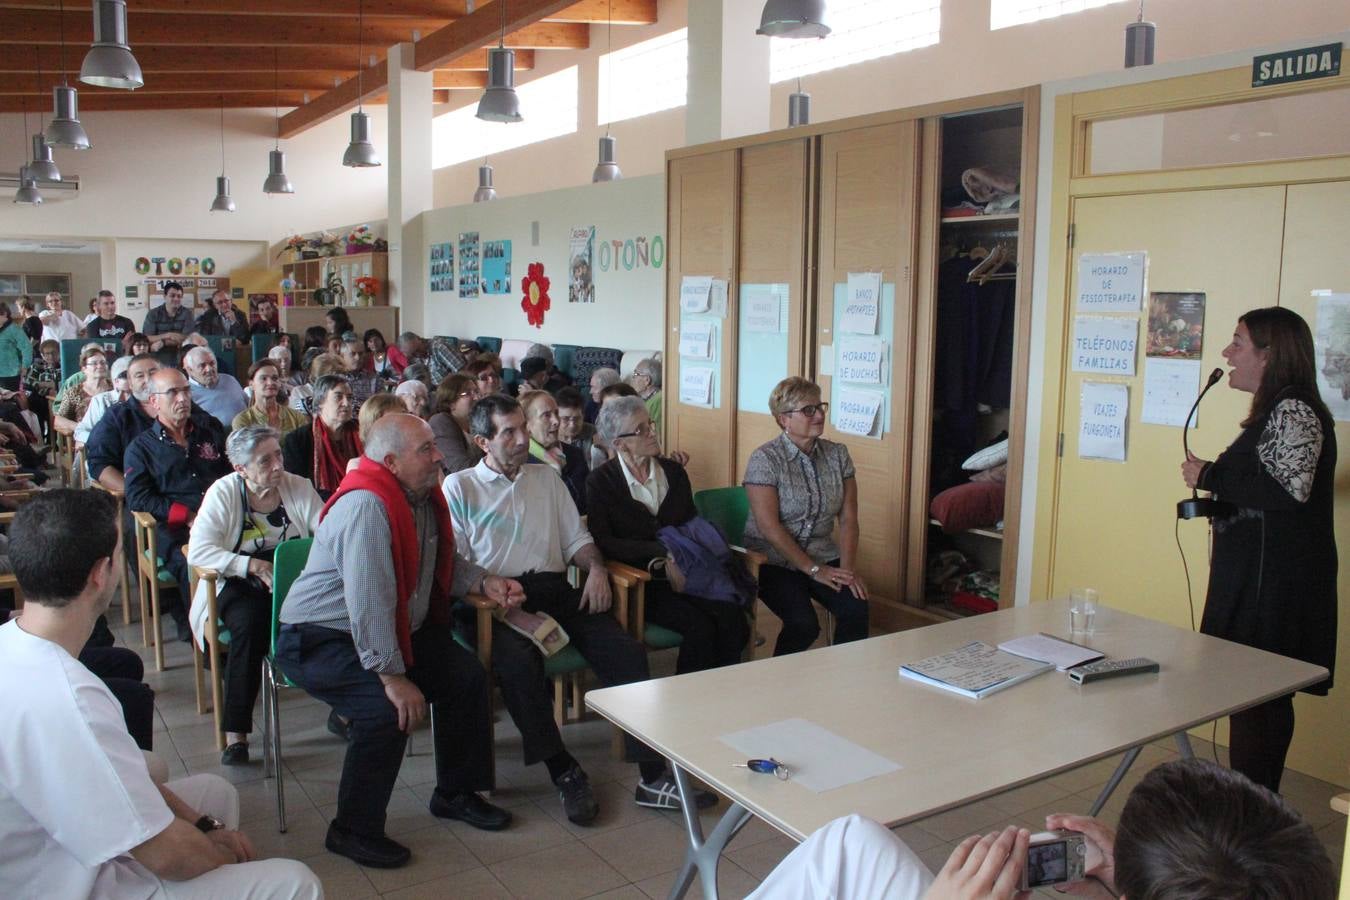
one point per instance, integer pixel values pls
(620, 389)
(326, 364)
(375, 408)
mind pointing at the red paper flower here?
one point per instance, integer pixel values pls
(536, 300)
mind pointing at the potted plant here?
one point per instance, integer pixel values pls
(361, 240)
(367, 289)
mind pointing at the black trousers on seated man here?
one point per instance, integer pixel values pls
(323, 661)
(519, 666)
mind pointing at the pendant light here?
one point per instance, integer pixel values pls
(1139, 40)
(223, 201)
(65, 130)
(799, 107)
(485, 190)
(360, 152)
(607, 169)
(793, 19)
(276, 181)
(42, 166)
(28, 192)
(109, 62)
(500, 103)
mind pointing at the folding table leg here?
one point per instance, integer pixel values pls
(1125, 762)
(702, 855)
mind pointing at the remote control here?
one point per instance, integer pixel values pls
(1110, 668)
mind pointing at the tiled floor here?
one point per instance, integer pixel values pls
(630, 853)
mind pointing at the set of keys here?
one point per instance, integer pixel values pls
(768, 766)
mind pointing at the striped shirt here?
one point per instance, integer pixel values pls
(810, 494)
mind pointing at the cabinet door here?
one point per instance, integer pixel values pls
(1113, 527)
(772, 269)
(701, 205)
(868, 182)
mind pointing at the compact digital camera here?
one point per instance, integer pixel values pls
(1055, 857)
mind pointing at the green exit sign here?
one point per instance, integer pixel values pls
(1305, 64)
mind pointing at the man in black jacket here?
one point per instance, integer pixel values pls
(223, 319)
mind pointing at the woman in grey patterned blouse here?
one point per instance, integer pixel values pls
(798, 485)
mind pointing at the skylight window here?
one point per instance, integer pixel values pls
(1006, 13)
(860, 30)
(548, 105)
(644, 78)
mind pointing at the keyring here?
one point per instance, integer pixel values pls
(768, 766)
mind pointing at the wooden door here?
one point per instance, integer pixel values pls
(774, 246)
(701, 211)
(868, 186)
(1114, 522)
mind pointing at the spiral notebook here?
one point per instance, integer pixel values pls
(974, 670)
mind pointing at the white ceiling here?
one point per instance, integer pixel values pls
(47, 245)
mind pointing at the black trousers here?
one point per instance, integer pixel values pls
(122, 670)
(788, 594)
(1258, 740)
(324, 662)
(519, 666)
(246, 610)
(714, 633)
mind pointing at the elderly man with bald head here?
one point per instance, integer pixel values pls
(219, 394)
(366, 628)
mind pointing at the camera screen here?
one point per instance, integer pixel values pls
(1047, 864)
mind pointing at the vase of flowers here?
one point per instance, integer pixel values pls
(367, 289)
(294, 246)
(361, 240)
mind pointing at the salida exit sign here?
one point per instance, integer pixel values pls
(1305, 64)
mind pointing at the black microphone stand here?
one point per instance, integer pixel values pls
(1198, 507)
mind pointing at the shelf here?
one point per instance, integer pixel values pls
(972, 220)
(991, 533)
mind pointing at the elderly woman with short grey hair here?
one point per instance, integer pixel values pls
(243, 517)
(321, 451)
(798, 485)
(631, 498)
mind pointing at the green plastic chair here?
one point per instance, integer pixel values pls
(287, 563)
(728, 508)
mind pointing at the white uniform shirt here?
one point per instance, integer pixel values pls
(513, 527)
(64, 327)
(75, 796)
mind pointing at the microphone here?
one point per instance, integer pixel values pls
(1201, 507)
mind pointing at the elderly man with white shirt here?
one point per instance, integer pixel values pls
(79, 813)
(518, 521)
(218, 394)
(58, 323)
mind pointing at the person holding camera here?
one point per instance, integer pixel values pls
(242, 519)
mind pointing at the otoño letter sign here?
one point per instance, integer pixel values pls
(1323, 61)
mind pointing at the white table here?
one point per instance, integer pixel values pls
(952, 750)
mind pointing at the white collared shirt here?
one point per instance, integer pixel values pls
(651, 492)
(513, 527)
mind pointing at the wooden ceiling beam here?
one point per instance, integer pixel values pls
(335, 101)
(624, 12)
(155, 60)
(483, 26)
(221, 30)
(126, 100)
(457, 80)
(316, 82)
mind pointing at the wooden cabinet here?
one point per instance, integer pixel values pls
(313, 274)
(791, 215)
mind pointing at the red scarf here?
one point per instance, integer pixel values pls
(374, 477)
(331, 453)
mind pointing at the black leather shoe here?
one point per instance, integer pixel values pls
(376, 852)
(339, 726)
(235, 755)
(471, 809)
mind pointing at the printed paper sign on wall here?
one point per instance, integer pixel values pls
(1105, 344)
(1111, 282)
(1104, 410)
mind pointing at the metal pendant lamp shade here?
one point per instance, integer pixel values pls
(277, 182)
(64, 129)
(223, 201)
(799, 109)
(28, 192)
(500, 103)
(360, 152)
(1139, 40)
(607, 169)
(43, 167)
(109, 62)
(485, 190)
(793, 19)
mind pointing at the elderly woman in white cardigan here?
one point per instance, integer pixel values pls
(241, 520)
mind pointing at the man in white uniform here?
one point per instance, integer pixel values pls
(79, 814)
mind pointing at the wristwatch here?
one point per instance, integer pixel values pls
(811, 572)
(208, 823)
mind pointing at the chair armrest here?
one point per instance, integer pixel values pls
(479, 601)
(753, 559)
(630, 594)
(144, 520)
(6, 517)
(628, 576)
(100, 486)
(483, 628)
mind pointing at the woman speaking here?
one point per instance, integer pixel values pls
(1272, 581)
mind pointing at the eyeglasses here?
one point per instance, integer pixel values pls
(176, 392)
(768, 766)
(645, 431)
(810, 410)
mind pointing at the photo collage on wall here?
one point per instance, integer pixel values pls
(496, 267)
(468, 265)
(581, 255)
(442, 267)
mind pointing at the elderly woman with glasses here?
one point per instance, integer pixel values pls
(242, 518)
(450, 422)
(94, 380)
(630, 499)
(321, 451)
(798, 484)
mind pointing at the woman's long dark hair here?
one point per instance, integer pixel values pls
(1290, 361)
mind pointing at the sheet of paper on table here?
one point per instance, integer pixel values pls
(818, 759)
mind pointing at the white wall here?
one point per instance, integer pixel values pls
(228, 255)
(85, 277)
(628, 311)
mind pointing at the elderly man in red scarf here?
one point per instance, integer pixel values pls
(366, 629)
